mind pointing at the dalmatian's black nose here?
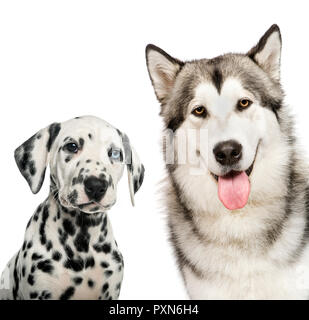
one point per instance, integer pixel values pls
(95, 188)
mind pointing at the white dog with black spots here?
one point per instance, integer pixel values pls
(69, 251)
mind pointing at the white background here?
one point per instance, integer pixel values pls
(61, 59)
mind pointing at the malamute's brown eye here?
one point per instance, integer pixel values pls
(200, 111)
(244, 103)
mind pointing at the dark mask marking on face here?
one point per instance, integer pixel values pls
(217, 79)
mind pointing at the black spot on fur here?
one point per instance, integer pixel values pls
(117, 257)
(49, 245)
(36, 256)
(67, 294)
(37, 212)
(45, 266)
(31, 280)
(106, 248)
(81, 143)
(57, 256)
(45, 295)
(29, 245)
(68, 227)
(104, 264)
(43, 223)
(104, 223)
(108, 273)
(80, 177)
(74, 264)
(90, 283)
(53, 130)
(89, 262)
(139, 181)
(105, 287)
(63, 236)
(32, 168)
(33, 295)
(69, 252)
(78, 280)
(81, 241)
(23, 271)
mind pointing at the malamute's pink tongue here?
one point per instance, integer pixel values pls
(234, 190)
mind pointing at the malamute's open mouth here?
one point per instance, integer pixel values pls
(233, 173)
(234, 187)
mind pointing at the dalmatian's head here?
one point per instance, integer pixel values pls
(86, 156)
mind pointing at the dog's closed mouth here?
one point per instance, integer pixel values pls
(83, 205)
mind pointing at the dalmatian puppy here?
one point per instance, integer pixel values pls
(69, 251)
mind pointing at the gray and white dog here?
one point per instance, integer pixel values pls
(238, 213)
(69, 251)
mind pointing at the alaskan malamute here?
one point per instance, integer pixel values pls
(237, 187)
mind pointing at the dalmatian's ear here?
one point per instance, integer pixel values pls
(135, 168)
(32, 156)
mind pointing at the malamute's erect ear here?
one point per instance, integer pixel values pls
(32, 156)
(267, 53)
(163, 70)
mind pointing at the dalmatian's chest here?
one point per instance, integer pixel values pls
(101, 279)
(69, 256)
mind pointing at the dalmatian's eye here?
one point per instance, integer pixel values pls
(115, 154)
(71, 147)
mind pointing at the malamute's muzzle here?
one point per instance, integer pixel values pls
(233, 187)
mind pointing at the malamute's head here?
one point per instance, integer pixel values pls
(236, 99)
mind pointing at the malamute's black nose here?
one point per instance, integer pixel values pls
(95, 188)
(228, 152)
